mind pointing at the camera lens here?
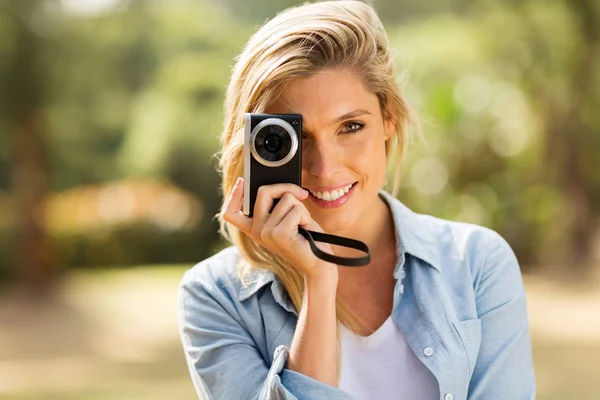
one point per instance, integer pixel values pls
(274, 142)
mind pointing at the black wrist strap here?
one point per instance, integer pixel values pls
(313, 236)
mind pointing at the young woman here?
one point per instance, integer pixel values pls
(440, 311)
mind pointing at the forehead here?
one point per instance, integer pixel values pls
(324, 96)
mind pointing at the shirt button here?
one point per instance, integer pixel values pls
(448, 396)
(429, 352)
(402, 274)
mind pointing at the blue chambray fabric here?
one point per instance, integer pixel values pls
(459, 300)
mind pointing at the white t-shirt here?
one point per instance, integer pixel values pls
(382, 366)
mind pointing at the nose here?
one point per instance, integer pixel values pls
(321, 160)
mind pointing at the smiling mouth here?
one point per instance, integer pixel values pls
(332, 195)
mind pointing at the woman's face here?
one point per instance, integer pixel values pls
(343, 146)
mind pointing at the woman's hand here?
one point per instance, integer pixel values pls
(278, 231)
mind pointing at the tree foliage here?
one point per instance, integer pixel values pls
(508, 94)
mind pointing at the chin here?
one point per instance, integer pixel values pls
(334, 223)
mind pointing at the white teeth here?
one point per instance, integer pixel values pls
(333, 195)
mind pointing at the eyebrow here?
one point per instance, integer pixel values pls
(351, 114)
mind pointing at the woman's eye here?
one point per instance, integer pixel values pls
(352, 127)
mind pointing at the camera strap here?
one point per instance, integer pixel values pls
(313, 236)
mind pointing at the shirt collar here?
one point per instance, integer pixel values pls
(416, 235)
(258, 278)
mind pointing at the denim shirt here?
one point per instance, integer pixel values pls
(459, 300)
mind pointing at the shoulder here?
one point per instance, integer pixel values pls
(214, 277)
(463, 240)
(467, 241)
(465, 248)
(446, 242)
(219, 266)
(475, 264)
(448, 246)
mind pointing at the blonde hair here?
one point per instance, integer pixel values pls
(298, 42)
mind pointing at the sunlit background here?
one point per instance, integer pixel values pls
(110, 112)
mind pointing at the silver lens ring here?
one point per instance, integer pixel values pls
(288, 128)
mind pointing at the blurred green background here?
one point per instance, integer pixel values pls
(110, 112)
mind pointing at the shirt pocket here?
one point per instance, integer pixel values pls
(469, 332)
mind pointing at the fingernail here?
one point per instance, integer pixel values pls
(305, 192)
(238, 182)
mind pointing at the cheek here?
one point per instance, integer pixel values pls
(370, 154)
(362, 154)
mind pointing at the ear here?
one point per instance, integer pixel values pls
(389, 126)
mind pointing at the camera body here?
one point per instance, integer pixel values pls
(272, 153)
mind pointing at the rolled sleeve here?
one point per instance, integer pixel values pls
(299, 386)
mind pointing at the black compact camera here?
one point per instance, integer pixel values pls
(272, 153)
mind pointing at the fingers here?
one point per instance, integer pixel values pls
(298, 215)
(285, 219)
(266, 194)
(287, 202)
(253, 227)
(277, 231)
(284, 207)
(232, 211)
(281, 233)
(265, 197)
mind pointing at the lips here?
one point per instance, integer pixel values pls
(339, 201)
(331, 195)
